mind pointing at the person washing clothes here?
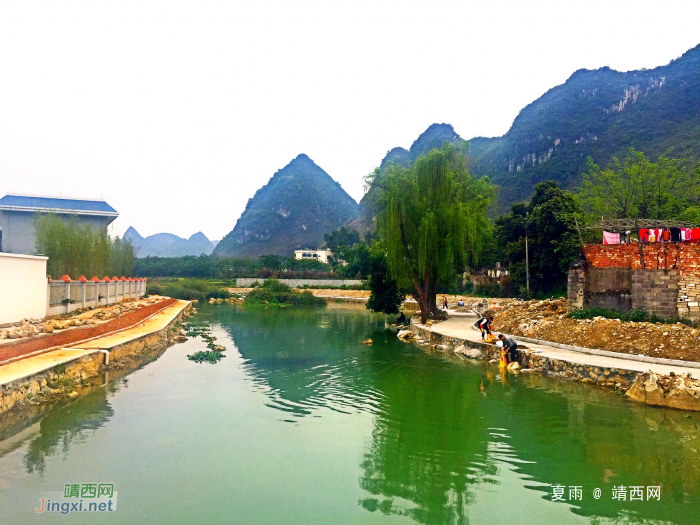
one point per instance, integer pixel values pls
(510, 346)
(484, 325)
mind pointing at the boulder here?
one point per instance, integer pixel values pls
(219, 348)
(405, 335)
(459, 349)
(678, 392)
(47, 328)
(179, 339)
(514, 367)
(474, 353)
(367, 341)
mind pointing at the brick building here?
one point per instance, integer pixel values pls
(612, 276)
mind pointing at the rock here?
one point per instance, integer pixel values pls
(527, 370)
(682, 393)
(219, 348)
(514, 367)
(367, 341)
(179, 339)
(405, 335)
(73, 394)
(493, 361)
(47, 328)
(474, 353)
(459, 349)
(212, 300)
(219, 301)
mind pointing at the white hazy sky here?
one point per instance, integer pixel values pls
(176, 112)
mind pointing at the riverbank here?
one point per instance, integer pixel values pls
(53, 372)
(655, 382)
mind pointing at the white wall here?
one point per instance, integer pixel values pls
(22, 287)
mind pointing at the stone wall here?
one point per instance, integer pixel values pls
(617, 378)
(298, 283)
(655, 291)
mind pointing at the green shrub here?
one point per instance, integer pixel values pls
(274, 293)
(637, 315)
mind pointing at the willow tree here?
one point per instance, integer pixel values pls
(434, 223)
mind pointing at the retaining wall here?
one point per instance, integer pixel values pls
(608, 377)
(39, 386)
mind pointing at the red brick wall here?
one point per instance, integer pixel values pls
(684, 257)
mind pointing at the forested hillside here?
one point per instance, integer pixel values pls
(292, 211)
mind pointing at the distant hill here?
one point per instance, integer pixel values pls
(601, 114)
(168, 245)
(293, 210)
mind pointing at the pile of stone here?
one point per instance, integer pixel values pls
(33, 327)
(689, 296)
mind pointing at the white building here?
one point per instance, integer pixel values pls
(317, 255)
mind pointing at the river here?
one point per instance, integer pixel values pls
(301, 423)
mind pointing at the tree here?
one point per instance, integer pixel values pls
(636, 188)
(341, 237)
(434, 223)
(76, 249)
(553, 242)
(386, 296)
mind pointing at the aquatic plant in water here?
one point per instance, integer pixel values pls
(210, 356)
(203, 330)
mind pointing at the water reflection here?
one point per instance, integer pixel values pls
(66, 426)
(442, 429)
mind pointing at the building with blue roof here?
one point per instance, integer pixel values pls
(17, 212)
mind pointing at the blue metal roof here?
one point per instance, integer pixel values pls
(56, 203)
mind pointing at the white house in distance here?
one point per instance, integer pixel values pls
(316, 255)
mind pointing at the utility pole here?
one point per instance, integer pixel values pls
(527, 267)
(527, 258)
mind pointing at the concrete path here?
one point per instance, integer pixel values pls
(39, 363)
(461, 328)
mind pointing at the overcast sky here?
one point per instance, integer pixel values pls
(176, 112)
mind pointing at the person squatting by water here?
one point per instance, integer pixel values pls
(510, 346)
(401, 320)
(485, 324)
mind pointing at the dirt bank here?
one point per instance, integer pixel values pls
(547, 320)
(74, 335)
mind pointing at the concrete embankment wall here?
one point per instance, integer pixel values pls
(298, 283)
(608, 377)
(53, 381)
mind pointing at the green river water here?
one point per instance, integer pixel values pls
(301, 423)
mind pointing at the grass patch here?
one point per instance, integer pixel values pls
(274, 293)
(187, 289)
(635, 316)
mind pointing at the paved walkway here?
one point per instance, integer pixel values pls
(461, 328)
(39, 363)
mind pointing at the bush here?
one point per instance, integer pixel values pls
(274, 293)
(638, 315)
(188, 289)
